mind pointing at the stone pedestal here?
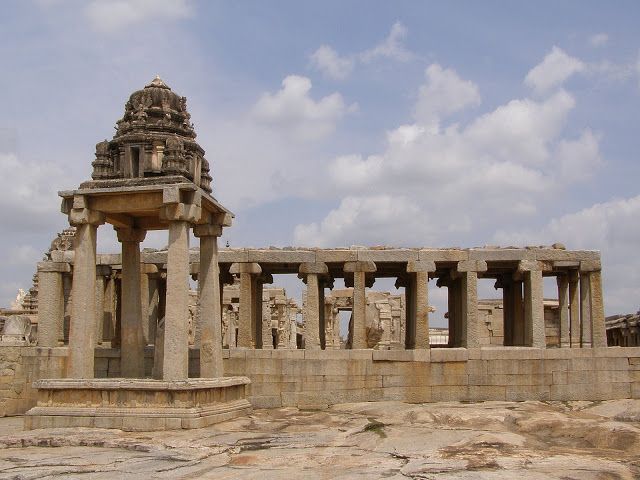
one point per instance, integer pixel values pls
(137, 405)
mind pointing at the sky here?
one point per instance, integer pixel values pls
(340, 123)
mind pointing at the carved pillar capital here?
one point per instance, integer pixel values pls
(130, 234)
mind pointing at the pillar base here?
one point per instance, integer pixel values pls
(137, 404)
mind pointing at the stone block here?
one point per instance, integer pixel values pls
(635, 389)
(566, 353)
(519, 367)
(405, 380)
(449, 355)
(500, 254)
(443, 255)
(387, 255)
(393, 355)
(449, 393)
(511, 379)
(286, 354)
(360, 354)
(477, 393)
(239, 353)
(266, 401)
(511, 353)
(226, 255)
(408, 394)
(281, 256)
(550, 254)
(336, 255)
(519, 393)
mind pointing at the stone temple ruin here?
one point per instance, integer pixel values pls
(122, 342)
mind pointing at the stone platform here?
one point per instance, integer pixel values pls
(137, 404)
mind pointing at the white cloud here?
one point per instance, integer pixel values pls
(292, 108)
(109, 16)
(457, 181)
(24, 255)
(612, 227)
(599, 39)
(331, 64)
(443, 93)
(578, 159)
(29, 197)
(553, 71)
(377, 214)
(392, 47)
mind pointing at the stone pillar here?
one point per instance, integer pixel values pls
(563, 309)
(102, 271)
(131, 336)
(506, 283)
(469, 282)
(518, 311)
(585, 309)
(265, 321)
(109, 324)
(574, 308)
(210, 311)
(419, 270)
(50, 302)
(598, 330)
(144, 304)
(359, 270)
(80, 362)
(175, 363)
(248, 273)
(311, 274)
(153, 302)
(534, 331)
(451, 310)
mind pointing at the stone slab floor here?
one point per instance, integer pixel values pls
(392, 440)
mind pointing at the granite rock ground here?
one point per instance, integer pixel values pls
(392, 440)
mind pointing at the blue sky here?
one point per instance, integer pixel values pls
(344, 123)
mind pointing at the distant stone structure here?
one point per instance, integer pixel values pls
(623, 330)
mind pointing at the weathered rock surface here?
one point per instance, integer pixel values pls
(489, 440)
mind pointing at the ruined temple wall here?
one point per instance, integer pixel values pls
(316, 379)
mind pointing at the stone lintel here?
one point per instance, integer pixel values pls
(386, 255)
(443, 255)
(103, 270)
(184, 212)
(245, 267)
(590, 265)
(472, 266)
(208, 230)
(421, 266)
(130, 234)
(62, 267)
(81, 216)
(500, 254)
(365, 266)
(566, 264)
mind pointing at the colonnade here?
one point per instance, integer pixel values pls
(579, 284)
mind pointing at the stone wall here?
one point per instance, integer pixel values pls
(315, 379)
